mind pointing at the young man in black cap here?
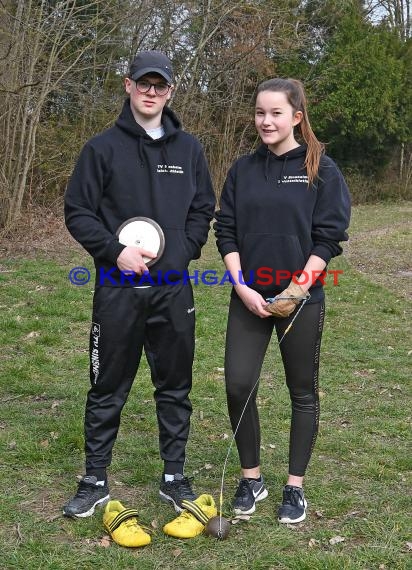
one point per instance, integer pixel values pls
(144, 166)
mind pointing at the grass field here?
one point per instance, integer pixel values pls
(359, 481)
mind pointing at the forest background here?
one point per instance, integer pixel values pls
(62, 65)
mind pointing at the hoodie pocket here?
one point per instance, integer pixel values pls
(270, 260)
(176, 255)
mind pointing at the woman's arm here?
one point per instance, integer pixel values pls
(250, 298)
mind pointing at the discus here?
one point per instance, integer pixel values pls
(144, 233)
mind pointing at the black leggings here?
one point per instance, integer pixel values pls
(247, 340)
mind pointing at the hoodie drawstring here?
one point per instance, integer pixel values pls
(282, 172)
(140, 151)
(280, 179)
(164, 155)
(267, 165)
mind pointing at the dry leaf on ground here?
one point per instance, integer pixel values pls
(177, 552)
(104, 541)
(336, 540)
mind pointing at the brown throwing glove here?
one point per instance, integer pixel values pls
(285, 303)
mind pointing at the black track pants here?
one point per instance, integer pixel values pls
(247, 339)
(125, 320)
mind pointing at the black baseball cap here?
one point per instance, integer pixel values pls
(151, 62)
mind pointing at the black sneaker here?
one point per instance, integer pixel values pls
(88, 496)
(293, 508)
(175, 491)
(248, 493)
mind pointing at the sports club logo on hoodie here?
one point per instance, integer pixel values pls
(170, 169)
(293, 179)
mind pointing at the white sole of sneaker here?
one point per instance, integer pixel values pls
(286, 520)
(90, 512)
(260, 497)
(168, 499)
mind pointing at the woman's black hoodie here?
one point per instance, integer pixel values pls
(123, 173)
(270, 215)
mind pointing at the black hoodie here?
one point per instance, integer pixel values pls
(123, 173)
(270, 215)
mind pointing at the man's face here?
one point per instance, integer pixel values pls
(149, 104)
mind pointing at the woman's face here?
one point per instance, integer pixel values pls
(274, 121)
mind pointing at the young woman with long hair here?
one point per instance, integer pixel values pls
(284, 211)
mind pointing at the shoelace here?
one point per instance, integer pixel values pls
(293, 497)
(184, 485)
(82, 490)
(243, 489)
(186, 515)
(133, 522)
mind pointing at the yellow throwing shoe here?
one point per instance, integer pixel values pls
(193, 519)
(122, 525)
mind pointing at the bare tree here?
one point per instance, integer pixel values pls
(234, 46)
(42, 42)
(396, 12)
(61, 63)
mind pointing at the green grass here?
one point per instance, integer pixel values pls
(359, 480)
(380, 245)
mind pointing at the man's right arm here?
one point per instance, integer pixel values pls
(81, 205)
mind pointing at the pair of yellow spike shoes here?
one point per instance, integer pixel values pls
(124, 529)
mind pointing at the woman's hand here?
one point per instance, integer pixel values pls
(286, 302)
(252, 301)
